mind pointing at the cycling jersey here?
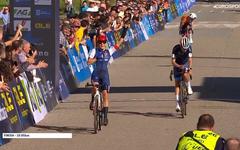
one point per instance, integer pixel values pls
(200, 140)
(181, 58)
(100, 74)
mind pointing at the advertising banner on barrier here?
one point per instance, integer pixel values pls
(51, 99)
(24, 112)
(110, 38)
(5, 126)
(35, 101)
(147, 26)
(79, 64)
(67, 73)
(10, 104)
(130, 38)
(173, 9)
(63, 90)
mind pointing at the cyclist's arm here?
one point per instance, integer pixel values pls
(92, 59)
(190, 60)
(176, 64)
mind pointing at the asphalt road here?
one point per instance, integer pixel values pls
(142, 108)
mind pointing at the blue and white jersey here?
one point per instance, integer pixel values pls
(180, 56)
(103, 57)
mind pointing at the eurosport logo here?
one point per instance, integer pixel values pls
(43, 2)
(41, 25)
(22, 12)
(43, 13)
(227, 6)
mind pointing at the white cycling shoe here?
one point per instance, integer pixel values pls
(178, 107)
(190, 91)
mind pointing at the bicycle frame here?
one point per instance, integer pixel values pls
(97, 110)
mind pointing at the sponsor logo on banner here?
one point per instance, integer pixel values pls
(22, 12)
(3, 114)
(41, 25)
(43, 13)
(25, 23)
(43, 2)
(22, 2)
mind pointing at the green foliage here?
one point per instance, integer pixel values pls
(4, 3)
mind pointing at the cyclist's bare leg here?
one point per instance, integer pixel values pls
(105, 105)
(186, 77)
(177, 89)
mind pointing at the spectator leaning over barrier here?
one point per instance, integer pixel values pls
(15, 64)
(17, 36)
(232, 144)
(4, 70)
(101, 56)
(80, 34)
(203, 138)
(27, 59)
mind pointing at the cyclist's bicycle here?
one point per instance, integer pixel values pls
(97, 105)
(183, 95)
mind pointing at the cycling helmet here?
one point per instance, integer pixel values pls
(193, 16)
(102, 38)
(184, 42)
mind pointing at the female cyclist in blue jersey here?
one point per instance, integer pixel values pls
(100, 76)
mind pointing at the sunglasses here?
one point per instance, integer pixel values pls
(100, 42)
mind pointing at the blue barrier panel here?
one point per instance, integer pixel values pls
(169, 15)
(130, 38)
(110, 38)
(12, 112)
(178, 7)
(89, 44)
(173, 9)
(146, 25)
(79, 64)
(63, 90)
(51, 99)
(135, 34)
(67, 73)
(5, 126)
(25, 115)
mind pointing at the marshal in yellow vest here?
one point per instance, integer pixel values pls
(206, 138)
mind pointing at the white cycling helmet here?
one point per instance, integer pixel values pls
(184, 42)
(193, 15)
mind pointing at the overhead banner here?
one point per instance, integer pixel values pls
(40, 21)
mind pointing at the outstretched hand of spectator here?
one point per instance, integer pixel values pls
(42, 64)
(4, 87)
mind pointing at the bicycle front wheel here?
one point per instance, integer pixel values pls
(95, 114)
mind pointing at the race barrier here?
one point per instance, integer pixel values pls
(136, 34)
(27, 103)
